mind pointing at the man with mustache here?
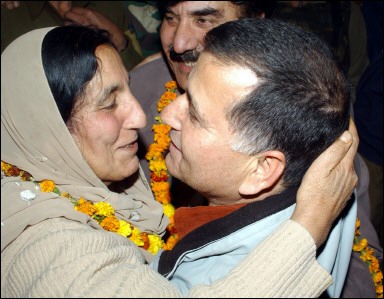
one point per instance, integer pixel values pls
(183, 28)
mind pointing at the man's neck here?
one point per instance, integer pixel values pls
(242, 199)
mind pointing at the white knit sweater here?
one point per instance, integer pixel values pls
(62, 258)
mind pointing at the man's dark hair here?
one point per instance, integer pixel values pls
(300, 104)
(248, 9)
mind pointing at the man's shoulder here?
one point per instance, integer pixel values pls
(147, 80)
(154, 65)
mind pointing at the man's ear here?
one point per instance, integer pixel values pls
(265, 172)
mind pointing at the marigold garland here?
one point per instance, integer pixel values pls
(102, 212)
(159, 175)
(366, 254)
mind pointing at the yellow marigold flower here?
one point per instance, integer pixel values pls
(81, 201)
(169, 210)
(104, 208)
(157, 166)
(136, 237)
(357, 225)
(5, 166)
(360, 246)
(364, 256)
(124, 228)
(47, 186)
(85, 207)
(154, 152)
(155, 243)
(110, 223)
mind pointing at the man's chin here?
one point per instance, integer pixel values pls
(171, 167)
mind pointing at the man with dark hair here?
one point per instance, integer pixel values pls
(183, 28)
(263, 101)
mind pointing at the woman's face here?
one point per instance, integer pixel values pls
(107, 120)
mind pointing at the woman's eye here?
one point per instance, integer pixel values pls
(111, 106)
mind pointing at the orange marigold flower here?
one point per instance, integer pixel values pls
(163, 197)
(171, 242)
(13, 172)
(161, 104)
(360, 245)
(110, 223)
(85, 207)
(379, 291)
(171, 227)
(146, 241)
(170, 95)
(378, 277)
(163, 142)
(161, 177)
(374, 265)
(161, 129)
(171, 85)
(367, 255)
(47, 186)
(160, 186)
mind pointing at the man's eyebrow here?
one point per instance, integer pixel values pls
(208, 11)
(201, 12)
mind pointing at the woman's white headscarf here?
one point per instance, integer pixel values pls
(35, 138)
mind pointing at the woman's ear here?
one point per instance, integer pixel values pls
(265, 171)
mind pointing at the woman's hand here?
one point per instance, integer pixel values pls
(327, 186)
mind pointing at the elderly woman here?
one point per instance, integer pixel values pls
(76, 207)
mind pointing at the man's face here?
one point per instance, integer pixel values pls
(200, 152)
(183, 30)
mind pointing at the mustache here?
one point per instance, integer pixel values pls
(187, 56)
